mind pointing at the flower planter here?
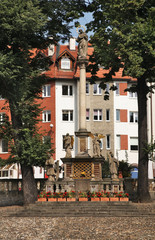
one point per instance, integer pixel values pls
(83, 199)
(114, 199)
(61, 199)
(104, 199)
(95, 199)
(124, 199)
(71, 199)
(52, 199)
(42, 199)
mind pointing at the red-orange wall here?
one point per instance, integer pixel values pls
(124, 142)
(122, 87)
(123, 115)
(49, 104)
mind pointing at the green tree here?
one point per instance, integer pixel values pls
(124, 37)
(24, 25)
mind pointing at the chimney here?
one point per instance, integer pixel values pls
(51, 48)
(72, 44)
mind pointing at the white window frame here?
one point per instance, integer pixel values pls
(69, 90)
(135, 116)
(101, 143)
(46, 90)
(87, 114)
(96, 89)
(108, 144)
(46, 116)
(134, 143)
(70, 115)
(117, 90)
(117, 115)
(132, 94)
(87, 88)
(99, 113)
(118, 142)
(65, 63)
(3, 141)
(2, 117)
(47, 139)
(107, 114)
(107, 88)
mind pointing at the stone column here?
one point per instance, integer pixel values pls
(82, 96)
(82, 133)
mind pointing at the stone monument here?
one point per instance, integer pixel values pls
(83, 170)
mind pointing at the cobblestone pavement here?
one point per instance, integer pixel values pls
(77, 228)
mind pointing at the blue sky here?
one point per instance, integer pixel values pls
(83, 22)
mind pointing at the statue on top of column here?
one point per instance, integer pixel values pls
(83, 43)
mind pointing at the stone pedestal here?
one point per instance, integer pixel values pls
(83, 170)
(50, 186)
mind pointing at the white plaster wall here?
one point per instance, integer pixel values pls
(131, 129)
(125, 128)
(63, 127)
(151, 126)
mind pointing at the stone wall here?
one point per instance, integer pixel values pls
(11, 191)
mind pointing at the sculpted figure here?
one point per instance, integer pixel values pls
(68, 144)
(113, 164)
(50, 169)
(96, 146)
(83, 44)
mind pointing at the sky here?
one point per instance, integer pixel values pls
(87, 18)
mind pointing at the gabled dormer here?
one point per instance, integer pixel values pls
(65, 61)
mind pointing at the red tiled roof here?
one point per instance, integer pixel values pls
(59, 50)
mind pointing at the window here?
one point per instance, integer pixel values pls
(3, 146)
(97, 89)
(107, 88)
(117, 115)
(118, 142)
(67, 90)
(133, 94)
(133, 143)
(133, 116)
(108, 141)
(46, 116)
(2, 117)
(97, 114)
(67, 115)
(101, 143)
(117, 90)
(107, 114)
(5, 173)
(87, 88)
(47, 140)
(46, 91)
(87, 114)
(65, 63)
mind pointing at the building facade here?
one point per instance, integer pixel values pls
(116, 119)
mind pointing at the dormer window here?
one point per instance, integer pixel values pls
(65, 63)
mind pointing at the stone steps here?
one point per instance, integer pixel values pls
(80, 209)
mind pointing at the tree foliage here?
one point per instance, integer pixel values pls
(124, 37)
(25, 27)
